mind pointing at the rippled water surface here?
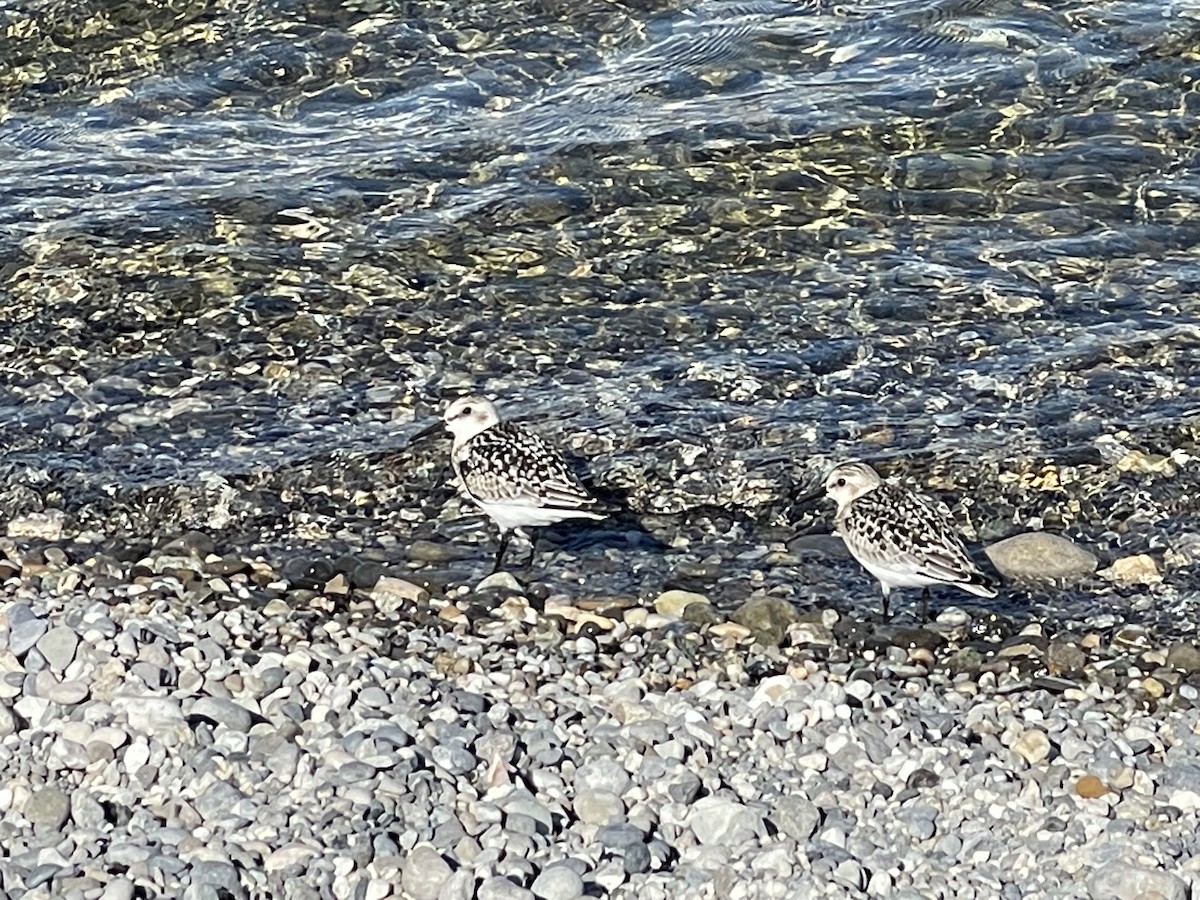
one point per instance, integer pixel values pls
(245, 245)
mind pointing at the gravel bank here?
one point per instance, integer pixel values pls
(190, 724)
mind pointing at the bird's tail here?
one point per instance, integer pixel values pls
(980, 585)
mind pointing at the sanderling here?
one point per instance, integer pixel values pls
(900, 538)
(512, 474)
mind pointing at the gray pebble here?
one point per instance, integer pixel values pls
(24, 629)
(270, 679)
(684, 787)
(620, 837)
(918, 821)
(58, 646)
(355, 772)
(498, 888)
(459, 886)
(858, 689)
(201, 892)
(41, 874)
(374, 697)
(598, 808)
(880, 884)
(285, 715)
(1182, 775)
(877, 748)
(12, 684)
(223, 712)
(152, 716)
(849, 873)
(500, 583)
(424, 873)
(67, 693)
(149, 674)
(522, 802)
(48, 806)
(1118, 880)
(218, 801)
(636, 859)
(391, 734)
(949, 845)
(918, 781)
(125, 853)
(518, 823)
(217, 874)
(70, 754)
(118, 889)
(86, 811)
(718, 820)
(796, 816)
(472, 703)
(1185, 656)
(487, 813)
(454, 760)
(557, 882)
(610, 875)
(603, 774)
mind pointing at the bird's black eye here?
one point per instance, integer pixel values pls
(466, 411)
(841, 482)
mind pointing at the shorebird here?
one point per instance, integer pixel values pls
(899, 537)
(512, 474)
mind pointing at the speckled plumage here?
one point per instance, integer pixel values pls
(506, 464)
(512, 474)
(899, 537)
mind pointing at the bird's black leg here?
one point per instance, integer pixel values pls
(887, 596)
(925, 605)
(533, 539)
(505, 536)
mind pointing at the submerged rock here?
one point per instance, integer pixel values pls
(674, 602)
(767, 618)
(47, 525)
(1037, 557)
(1140, 569)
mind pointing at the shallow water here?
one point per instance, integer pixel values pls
(721, 244)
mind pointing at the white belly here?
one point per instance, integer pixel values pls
(899, 578)
(508, 516)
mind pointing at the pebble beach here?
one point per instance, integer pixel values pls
(189, 724)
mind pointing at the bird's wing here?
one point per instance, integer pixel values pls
(897, 530)
(509, 464)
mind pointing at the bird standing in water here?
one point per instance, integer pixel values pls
(512, 474)
(900, 538)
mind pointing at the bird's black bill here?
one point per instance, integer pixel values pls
(811, 496)
(436, 427)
